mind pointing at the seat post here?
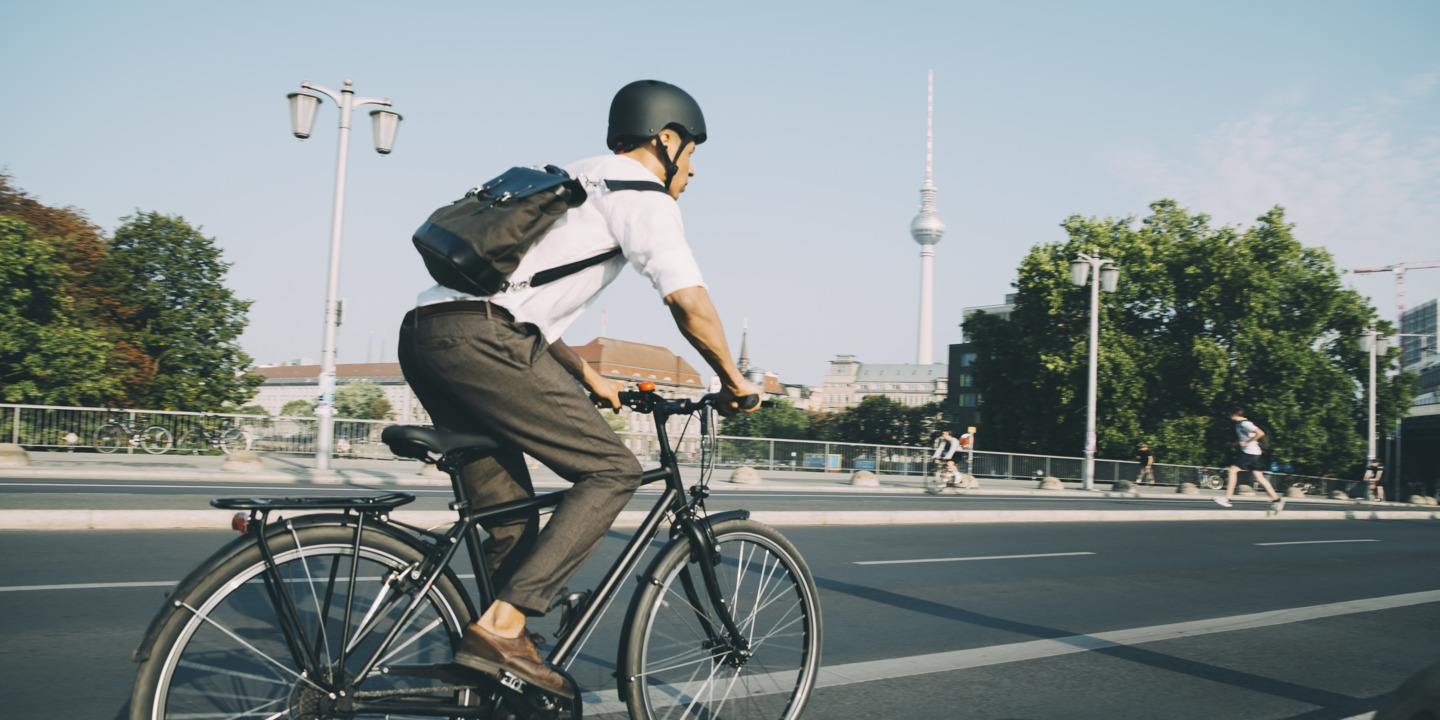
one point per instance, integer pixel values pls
(453, 464)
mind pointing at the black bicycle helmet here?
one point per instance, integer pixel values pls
(645, 107)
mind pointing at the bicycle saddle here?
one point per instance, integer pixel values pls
(413, 441)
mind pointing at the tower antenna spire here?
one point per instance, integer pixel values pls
(927, 229)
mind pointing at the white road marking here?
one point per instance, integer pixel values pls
(601, 703)
(1314, 542)
(148, 583)
(965, 559)
(271, 489)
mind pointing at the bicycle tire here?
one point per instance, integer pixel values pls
(108, 438)
(232, 440)
(1213, 482)
(671, 669)
(156, 439)
(195, 669)
(935, 483)
(193, 441)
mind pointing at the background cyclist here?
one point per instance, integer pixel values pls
(945, 448)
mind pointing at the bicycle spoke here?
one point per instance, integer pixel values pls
(206, 619)
(310, 580)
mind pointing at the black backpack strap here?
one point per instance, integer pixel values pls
(548, 276)
(634, 185)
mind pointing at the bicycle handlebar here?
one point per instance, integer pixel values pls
(649, 401)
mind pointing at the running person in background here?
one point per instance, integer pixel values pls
(1247, 457)
(945, 449)
(497, 366)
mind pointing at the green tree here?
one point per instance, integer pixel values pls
(184, 317)
(298, 408)
(47, 355)
(1205, 318)
(361, 401)
(782, 421)
(80, 246)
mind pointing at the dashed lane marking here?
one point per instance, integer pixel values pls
(1314, 542)
(965, 559)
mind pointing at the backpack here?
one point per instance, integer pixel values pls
(475, 243)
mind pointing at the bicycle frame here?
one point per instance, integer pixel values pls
(685, 523)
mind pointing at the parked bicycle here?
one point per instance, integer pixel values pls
(355, 614)
(121, 431)
(227, 438)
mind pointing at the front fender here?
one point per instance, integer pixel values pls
(622, 676)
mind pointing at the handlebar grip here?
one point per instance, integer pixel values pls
(745, 402)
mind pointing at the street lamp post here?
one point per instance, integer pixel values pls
(303, 107)
(1374, 344)
(1107, 279)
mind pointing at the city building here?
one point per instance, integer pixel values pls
(850, 381)
(286, 383)
(962, 404)
(1420, 352)
(1002, 310)
(634, 363)
(797, 394)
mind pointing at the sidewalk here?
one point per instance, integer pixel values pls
(289, 471)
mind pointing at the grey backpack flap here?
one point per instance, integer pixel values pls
(475, 243)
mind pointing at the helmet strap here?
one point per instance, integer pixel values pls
(670, 162)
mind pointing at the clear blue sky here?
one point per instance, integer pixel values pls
(800, 209)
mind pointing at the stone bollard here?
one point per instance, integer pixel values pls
(745, 475)
(12, 455)
(242, 461)
(1338, 495)
(1294, 491)
(1245, 490)
(1051, 483)
(1122, 486)
(1188, 489)
(865, 478)
(430, 471)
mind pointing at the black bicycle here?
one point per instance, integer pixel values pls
(121, 431)
(201, 438)
(351, 613)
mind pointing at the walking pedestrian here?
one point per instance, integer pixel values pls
(497, 366)
(1247, 457)
(1147, 464)
(1373, 489)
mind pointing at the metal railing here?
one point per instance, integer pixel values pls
(74, 428)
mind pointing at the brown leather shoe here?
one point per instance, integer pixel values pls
(490, 654)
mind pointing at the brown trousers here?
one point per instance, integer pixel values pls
(483, 374)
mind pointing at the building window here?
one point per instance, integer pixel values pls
(967, 359)
(969, 399)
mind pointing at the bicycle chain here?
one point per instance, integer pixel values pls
(414, 691)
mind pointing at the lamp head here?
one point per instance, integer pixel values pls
(386, 123)
(303, 107)
(1079, 272)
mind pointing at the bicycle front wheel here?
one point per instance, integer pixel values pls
(223, 653)
(156, 440)
(108, 438)
(677, 660)
(232, 440)
(934, 483)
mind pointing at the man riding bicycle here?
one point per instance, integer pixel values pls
(945, 448)
(496, 365)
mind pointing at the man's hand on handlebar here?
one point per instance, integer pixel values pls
(745, 398)
(606, 393)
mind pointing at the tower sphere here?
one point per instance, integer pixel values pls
(927, 228)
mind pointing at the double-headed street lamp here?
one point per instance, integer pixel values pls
(1108, 279)
(1373, 344)
(303, 107)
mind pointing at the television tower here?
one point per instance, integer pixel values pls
(927, 229)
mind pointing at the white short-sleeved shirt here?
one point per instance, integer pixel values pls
(1247, 431)
(945, 448)
(645, 225)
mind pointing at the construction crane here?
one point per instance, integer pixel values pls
(1399, 269)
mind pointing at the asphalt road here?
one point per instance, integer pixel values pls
(1059, 620)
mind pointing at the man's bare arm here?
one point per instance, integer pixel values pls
(700, 323)
(575, 365)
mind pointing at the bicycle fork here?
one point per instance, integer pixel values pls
(705, 553)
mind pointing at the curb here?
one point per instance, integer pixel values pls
(214, 519)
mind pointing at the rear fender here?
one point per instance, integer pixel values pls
(233, 548)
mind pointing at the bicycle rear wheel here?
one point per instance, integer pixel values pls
(223, 654)
(935, 483)
(108, 438)
(677, 665)
(156, 440)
